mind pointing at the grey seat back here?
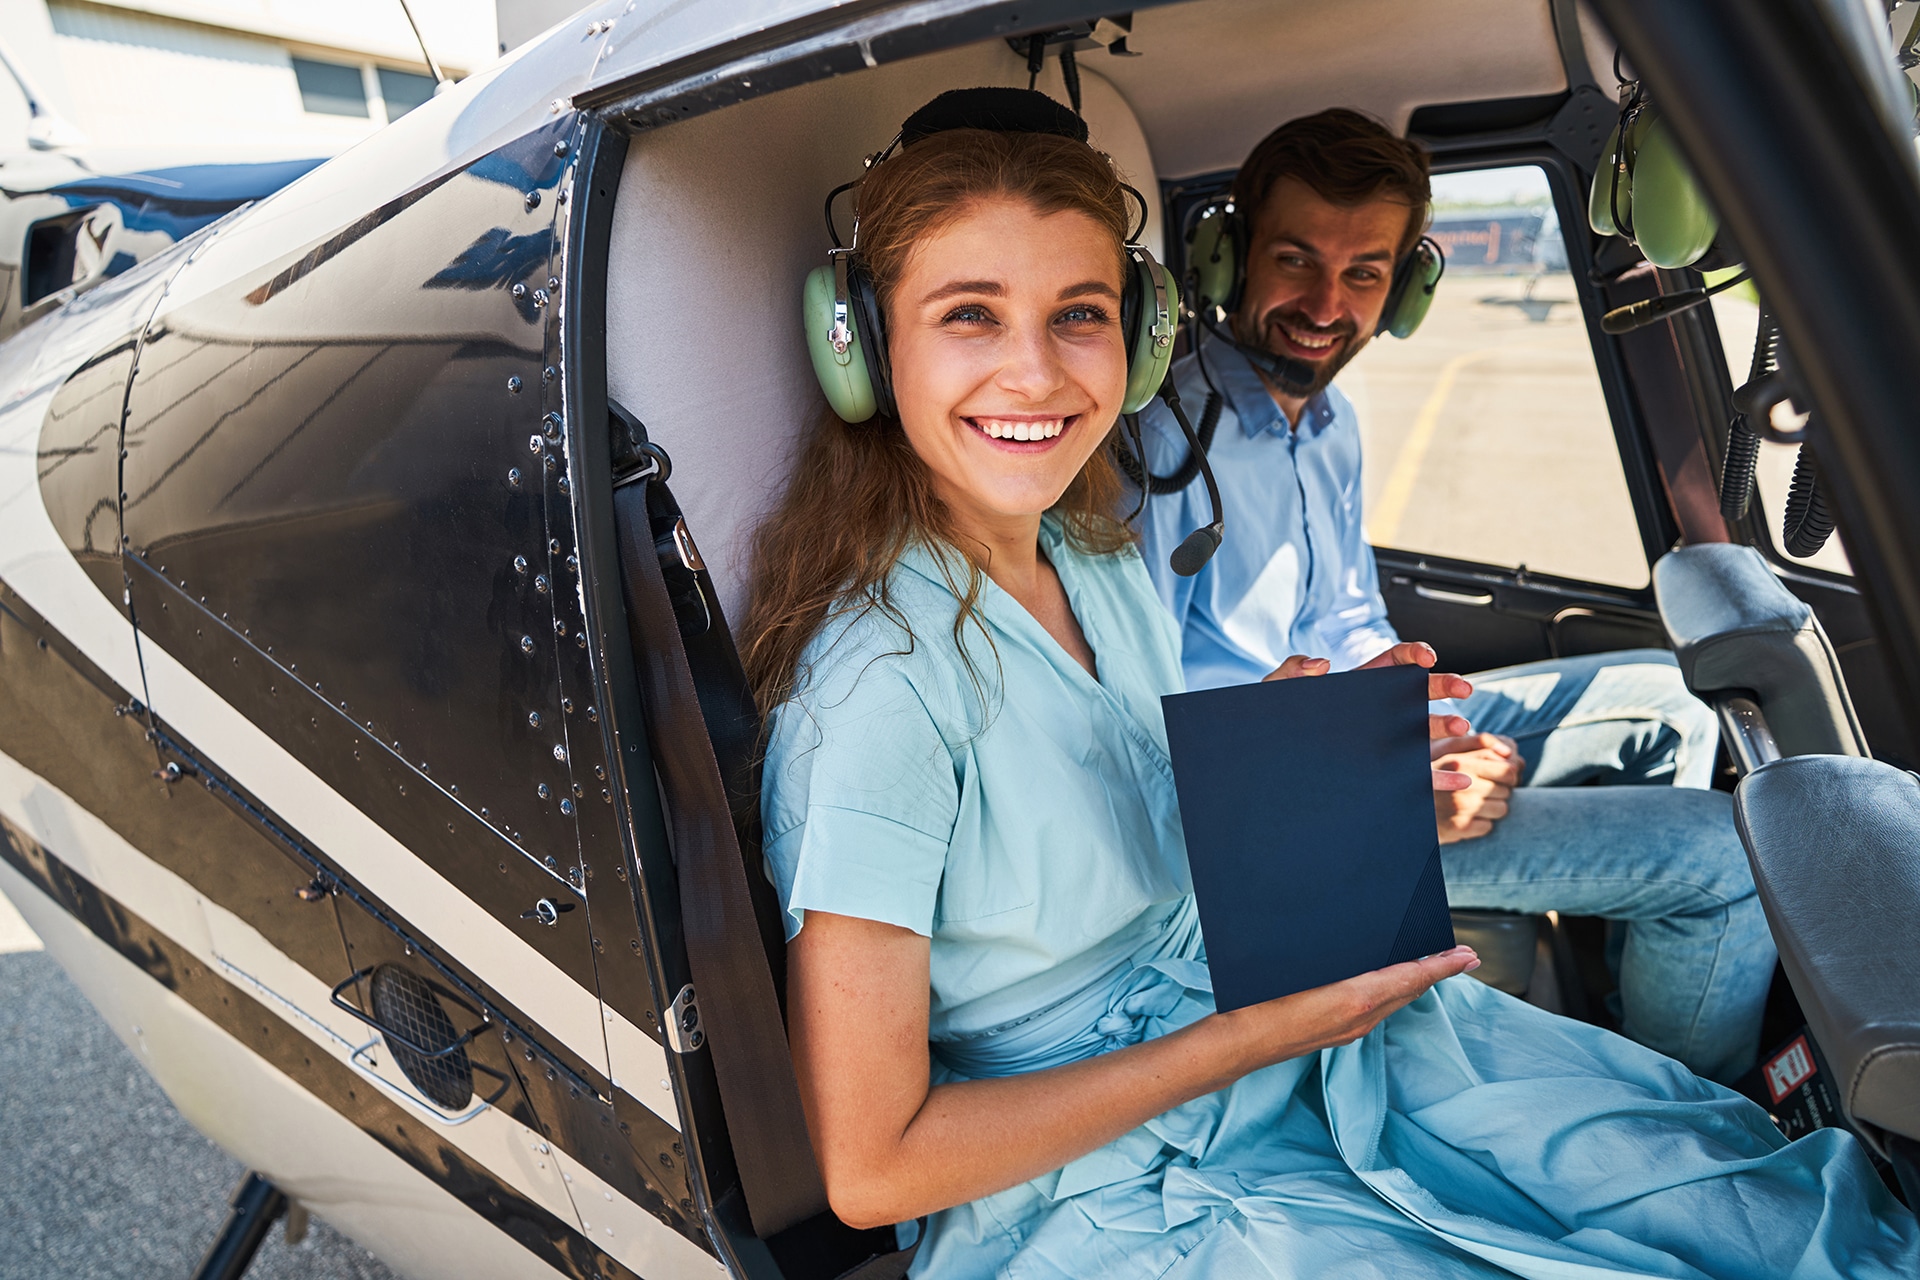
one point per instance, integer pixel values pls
(1835, 847)
(1736, 630)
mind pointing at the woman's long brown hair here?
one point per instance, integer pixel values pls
(859, 496)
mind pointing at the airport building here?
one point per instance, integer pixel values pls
(249, 78)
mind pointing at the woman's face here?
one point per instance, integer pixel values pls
(1008, 362)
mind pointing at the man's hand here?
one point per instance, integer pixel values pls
(1415, 653)
(1494, 766)
(1439, 728)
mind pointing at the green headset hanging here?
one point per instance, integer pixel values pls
(1646, 193)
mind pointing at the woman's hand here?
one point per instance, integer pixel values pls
(1439, 728)
(1340, 1012)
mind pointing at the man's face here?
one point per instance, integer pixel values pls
(1317, 278)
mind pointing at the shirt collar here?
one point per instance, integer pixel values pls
(1250, 400)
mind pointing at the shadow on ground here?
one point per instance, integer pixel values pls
(99, 1176)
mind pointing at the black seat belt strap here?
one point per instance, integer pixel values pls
(739, 1007)
(704, 731)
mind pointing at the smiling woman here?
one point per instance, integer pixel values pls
(998, 265)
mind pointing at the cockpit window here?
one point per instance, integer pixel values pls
(1487, 436)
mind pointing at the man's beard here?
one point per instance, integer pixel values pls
(1291, 375)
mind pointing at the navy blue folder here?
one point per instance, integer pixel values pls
(1309, 819)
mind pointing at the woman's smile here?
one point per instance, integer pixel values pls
(1023, 433)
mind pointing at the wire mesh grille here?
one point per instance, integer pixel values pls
(404, 1001)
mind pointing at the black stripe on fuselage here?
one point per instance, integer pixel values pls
(68, 722)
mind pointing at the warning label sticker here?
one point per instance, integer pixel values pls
(1788, 1069)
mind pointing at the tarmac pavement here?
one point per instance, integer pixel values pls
(99, 1175)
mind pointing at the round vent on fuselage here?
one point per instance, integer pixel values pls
(405, 1005)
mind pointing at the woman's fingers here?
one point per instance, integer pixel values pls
(1451, 780)
(1298, 665)
(1342, 1012)
(1442, 686)
(1446, 729)
(1385, 992)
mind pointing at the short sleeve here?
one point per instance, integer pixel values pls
(858, 794)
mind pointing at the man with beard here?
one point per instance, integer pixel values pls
(1329, 204)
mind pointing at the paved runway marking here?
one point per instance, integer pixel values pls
(1384, 521)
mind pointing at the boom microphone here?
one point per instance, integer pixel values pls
(1197, 547)
(1638, 315)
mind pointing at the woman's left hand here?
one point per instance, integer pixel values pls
(1416, 654)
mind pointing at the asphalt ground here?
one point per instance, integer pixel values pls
(99, 1175)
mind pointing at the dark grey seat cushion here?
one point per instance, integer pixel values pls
(1734, 628)
(1834, 842)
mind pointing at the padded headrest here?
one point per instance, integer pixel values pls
(996, 110)
(1735, 628)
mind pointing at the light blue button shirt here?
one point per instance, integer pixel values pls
(1295, 573)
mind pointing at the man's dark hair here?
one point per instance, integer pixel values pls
(1347, 157)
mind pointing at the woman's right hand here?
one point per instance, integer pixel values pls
(1340, 1012)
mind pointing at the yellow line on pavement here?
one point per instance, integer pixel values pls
(1384, 522)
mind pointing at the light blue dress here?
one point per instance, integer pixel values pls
(1035, 839)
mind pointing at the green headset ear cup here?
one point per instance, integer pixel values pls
(1600, 197)
(1672, 221)
(843, 375)
(1415, 282)
(1213, 260)
(1150, 353)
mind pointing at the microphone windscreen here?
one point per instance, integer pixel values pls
(1628, 318)
(1192, 554)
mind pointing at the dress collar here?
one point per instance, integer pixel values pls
(1250, 400)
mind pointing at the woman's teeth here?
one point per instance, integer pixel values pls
(1000, 430)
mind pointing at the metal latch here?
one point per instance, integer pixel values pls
(683, 543)
(683, 1023)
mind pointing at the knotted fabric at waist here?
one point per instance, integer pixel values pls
(1161, 987)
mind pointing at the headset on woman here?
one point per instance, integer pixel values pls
(846, 326)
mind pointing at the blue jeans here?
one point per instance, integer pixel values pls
(1649, 848)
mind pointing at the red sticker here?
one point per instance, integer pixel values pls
(1789, 1069)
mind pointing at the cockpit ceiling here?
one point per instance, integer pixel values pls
(1212, 76)
(1216, 75)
